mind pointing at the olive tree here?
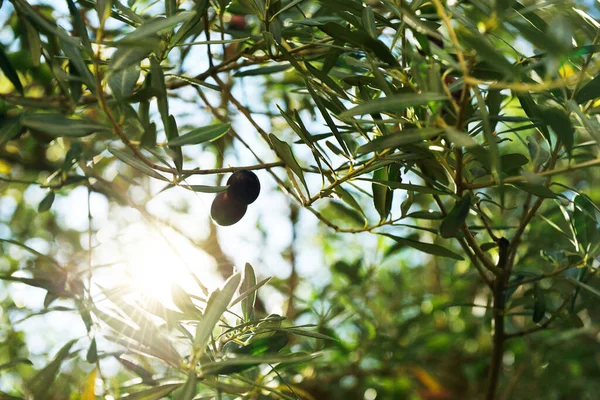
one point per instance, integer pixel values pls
(460, 134)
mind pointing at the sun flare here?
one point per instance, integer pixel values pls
(153, 262)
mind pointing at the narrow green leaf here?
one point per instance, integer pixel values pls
(584, 221)
(248, 283)
(328, 120)
(43, 380)
(80, 26)
(360, 39)
(153, 27)
(591, 125)
(57, 125)
(92, 353)
(184, 302)
(539, 305)
(155, 393)
(532, 110)
(122, 82)
(398, 139)
(560, 123)
(14, 363)
(395, 103)
(34, 44)
(368, 20)
(9, 129)
(207, 133)
(136, 163)
(43, 23)
(73, 52)
(188, 391)
(589, 91)
(126, 56)
(537, 190)
(284, 151)
(488, 52)
(418, 189)
(584, 286)
(191, 26)
(272, 69)
(455, 220)
(215, 307)
(382, 195)
(46, 202)
(205, 189)
(10, 72)
(428, 248)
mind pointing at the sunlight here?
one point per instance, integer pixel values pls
(152, 264)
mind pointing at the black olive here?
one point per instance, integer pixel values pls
(244, 186)
(227, 210)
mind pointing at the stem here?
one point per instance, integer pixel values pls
(499, 309)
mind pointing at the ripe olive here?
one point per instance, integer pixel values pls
(227, 210)
(244, 186)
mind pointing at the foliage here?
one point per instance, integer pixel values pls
(457, 140)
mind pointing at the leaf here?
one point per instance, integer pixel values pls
(89, 393)
(248, 283)
(43, 380)
(136, 163)
(149, 29)
(272, 69)
(9, 129)
(488, 52)
(10, 72)
(455, 219)
(122, 82)
(43, 23)
(368, 20)
(428, 248)
(532, 110)
(188, 391)
(584, 221)
(192, 25)
(394, 103)
(284, 151)
(539, 305)
(14, 363)
(584, 286)
(557, 119)
(360, 39)
(215, 307)
(158, 83)
(126, 56)
(382, 195)
(537, 190)
(57, 125)
(398, 139)
(183, 301)
(328, 120)
(591, 125)
(248, 361)
(80, 26)
(205, 189)
(155, 393)
(46, 202)
(407, 186)
(34, 44)
(207, 133)
(92, 353)
(589, 91)
(73, 52)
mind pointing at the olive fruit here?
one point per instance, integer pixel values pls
(244, 186)
(226, 209)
